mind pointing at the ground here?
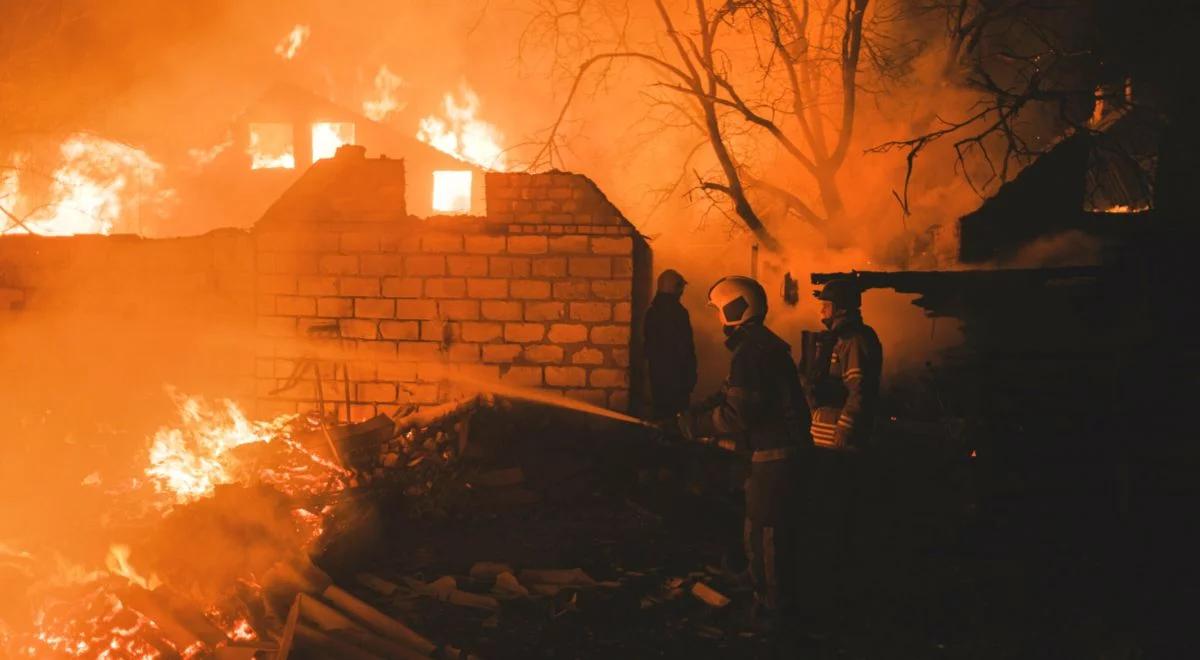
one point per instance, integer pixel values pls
(937, 575)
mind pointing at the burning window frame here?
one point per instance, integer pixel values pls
(261, 158)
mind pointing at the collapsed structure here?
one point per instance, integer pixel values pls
(338, 297)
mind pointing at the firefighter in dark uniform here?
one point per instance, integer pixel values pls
(759, 409)
(840, 370)
(670, 348)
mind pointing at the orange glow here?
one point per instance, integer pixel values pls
(328, 136)
(118, 563)
(271, 147)
(461, 134)
(384, 102)
(452, 191)
(1125, 208)
(290, 44)
(97, 185)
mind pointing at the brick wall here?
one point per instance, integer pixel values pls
(542, 293)
(102, 323)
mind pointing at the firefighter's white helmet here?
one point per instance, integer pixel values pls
(738, 299)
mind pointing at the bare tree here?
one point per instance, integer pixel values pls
(784, 72)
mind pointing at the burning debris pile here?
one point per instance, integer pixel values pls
(216, 533)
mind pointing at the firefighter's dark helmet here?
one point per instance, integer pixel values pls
(738, 299)
(844, 293)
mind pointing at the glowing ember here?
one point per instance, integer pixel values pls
(459, 133)
(271, 147)
(328, 136)
(452, 191)
(384, 101)
(291, 43)
(1125, 208)
(97, 185)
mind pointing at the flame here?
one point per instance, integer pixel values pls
(189, 462)
(452, 191)
(1125, 208)
(203, 156)
(291, 42)
(271, 147)
(384, 101)
(92, 190)
(118, 563)
(462, 135)
(328, 136)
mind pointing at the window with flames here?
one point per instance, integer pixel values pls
(452, 191)
(328, 136)
(270, 147)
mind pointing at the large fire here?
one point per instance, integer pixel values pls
(292, 41)
(124, 611)
(99, 186)
(327, 136)
(461, 134)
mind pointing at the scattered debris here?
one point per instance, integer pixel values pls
(709, 595)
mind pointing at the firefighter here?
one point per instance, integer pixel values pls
(670, 348)
(759, 409)
(842, 379)
(840, 371)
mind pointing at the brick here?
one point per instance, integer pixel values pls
(358, 328)
(543, 311)
(335, 307)
(366, 287)
(361, 412)
(529, 289)
(622, 267)
(440, 331)
(501, 353)
(566, 376)
(402, 287)
(612, 246)
(402, 330)
(501, 310)
(442, 243)
(609, 378)
(397, 371)
(459, 310)
(622, 312)
(375, 392)
(569, 245)
(550, 267)
(484, 244)
(594, 397)
(385, 350)
(587, 355)
(467, 266)
(591, 267)
(314, 285)
(523, 332)
(276, 284)
(482, 332)
(610, 335)
(276, 326)
(487, 288)
(424, 265)
(568, 333)
(360, 242)
(374, 308)
(463, 353)
(424, 394)
(562, 192)
(415, 351)
(416, 310)
(509, 266)
(445, 287)
(338, 264)
(527, 244)
(613, 289)
(400, 240)
(591, 312)
(523, 376)
(543, 354)
(621, 356)
(618, 400)
(530, 217)
(381, 264)
(295, 306)
(572, 290)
